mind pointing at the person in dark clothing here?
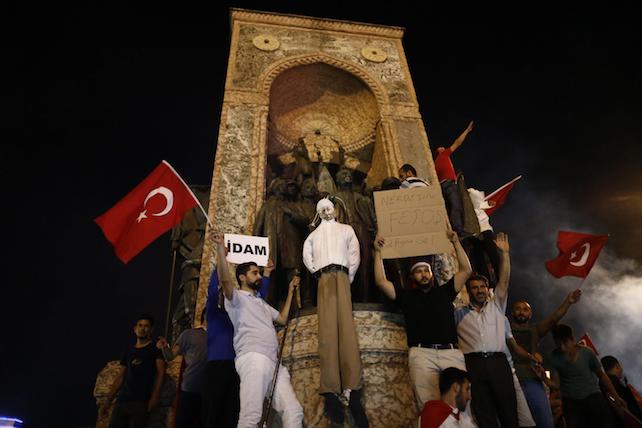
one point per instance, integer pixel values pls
(192, 345)
(615, 372)
(139, 384)
(578, 371)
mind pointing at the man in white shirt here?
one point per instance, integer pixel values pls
(409, 179)
(256, 344)
(331, 253)
(481, 327)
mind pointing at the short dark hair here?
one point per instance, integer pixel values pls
(408, 168)
(561, 333)
(476, 277)
(449, 376)
(242, 269)
(609, 362)
(147, 317)
(390, 183)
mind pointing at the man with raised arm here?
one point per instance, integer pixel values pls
(528, 335)
(256, 343)
(430, 325)
(481, 327)
(448, 180)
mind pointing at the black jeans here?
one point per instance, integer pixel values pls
(454, 205)
(221, 404)
(129, 414)
(592, 411)
(493, 391)
(189, 412)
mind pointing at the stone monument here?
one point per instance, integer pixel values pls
(304, 94)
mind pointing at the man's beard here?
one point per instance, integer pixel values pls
(459, 402)
(256, 285)
(520, 320)
(427, 284)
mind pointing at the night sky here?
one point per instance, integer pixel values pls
(102, 93)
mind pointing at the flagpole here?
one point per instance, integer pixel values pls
(171, 287)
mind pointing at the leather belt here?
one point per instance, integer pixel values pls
(485, 354)
(435, 345)
(330, 268)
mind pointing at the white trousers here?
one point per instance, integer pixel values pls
(425, 364)
(525, 419)
(256, 372)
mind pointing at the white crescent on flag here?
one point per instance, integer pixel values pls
(169, 202)
(582, 261)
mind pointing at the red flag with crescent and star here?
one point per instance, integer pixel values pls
(578, 252)
(156, 205)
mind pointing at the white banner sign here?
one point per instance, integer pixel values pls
(413, 221)
(244, 248)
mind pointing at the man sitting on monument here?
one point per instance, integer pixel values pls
(331, 253)
(408, 177)
(430, 324)
(256, 343)
(448, 181)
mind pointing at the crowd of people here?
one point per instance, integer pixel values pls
(469, 363)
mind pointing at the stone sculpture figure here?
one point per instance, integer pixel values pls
(269, 223)
(187, 239)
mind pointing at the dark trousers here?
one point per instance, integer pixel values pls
(493, 391)
(221, 394)
(130, 414)
(592, 411)
(483, 255)
(189, 412)
(454, 206)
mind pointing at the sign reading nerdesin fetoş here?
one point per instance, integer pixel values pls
(244, 248)
(413, 222)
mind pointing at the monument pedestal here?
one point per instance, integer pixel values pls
(387, 393)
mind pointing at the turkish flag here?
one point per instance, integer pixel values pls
(500, 195)
(578, 252)
(156, 205)
(586, 341)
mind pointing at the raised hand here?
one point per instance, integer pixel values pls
(219, 239)
(501, 241)
(469, 128)
(574, 296)
(379, 243)
(267, 270)
(452, 235)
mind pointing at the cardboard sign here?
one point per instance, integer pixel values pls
(244, 248)
(413, 222)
